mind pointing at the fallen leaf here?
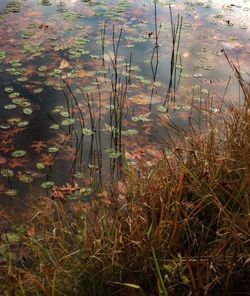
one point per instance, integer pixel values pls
(64, 64)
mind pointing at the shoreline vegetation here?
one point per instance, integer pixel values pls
(179, 228)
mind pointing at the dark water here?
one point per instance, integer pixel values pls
(52, 133)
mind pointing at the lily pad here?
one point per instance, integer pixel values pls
(10, 107)
(18, 153)
(25, 178)
(14, 95)
(23, 123)
(7, 173)
(113, 154)
(37, 91)
(4, 126)
(130, 132)
(64, 114)
(47, 184)
(9, 89)
(42, 68)
(40, 166)
(27, 111)
(53, 149)
(68, 121)
(87, 132)
(162, 109)
(54, 126)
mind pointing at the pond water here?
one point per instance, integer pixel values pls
(87, 86)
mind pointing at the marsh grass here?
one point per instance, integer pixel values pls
(179, 228)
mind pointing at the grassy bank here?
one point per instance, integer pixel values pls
(180, 228)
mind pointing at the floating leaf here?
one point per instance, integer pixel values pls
(7, 173)
(22, 79)
(54, 126)
(42, 68)
(9, 89)
(53, 149)
(40, 166)
(130, 132)
(22, 102)
(14, 95)
(64, 114)
(37, 91)
(47, 184)
(68, 121)
(162, 109)
(23, 123)
(142, 118)
(18, 153)
(10, 107)
(25, 178)
(140, 100)
(87, 132)
(197, 75)
(27, 111)
(64, 64)
(4, 126)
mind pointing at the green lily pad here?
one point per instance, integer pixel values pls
(18, 153)
(87, 132)
(162, 109)
(68, 121)
(40, 166)
(14, 95)
(37, 91)
(27, 111)
(130, 132)
(114, 154)
(7, 173)
(142, 118)
(54, 126)
(64, 114)
(4, 126)
(10, 107)
(197, 75)
(26, 178)
(22, 102)
(22, 79)
(42, 68)
(23, 123)
(47, 184)
(53, 149)
(9, 89)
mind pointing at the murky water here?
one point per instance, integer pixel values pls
(76, 98)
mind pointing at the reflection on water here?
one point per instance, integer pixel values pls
(85, 83)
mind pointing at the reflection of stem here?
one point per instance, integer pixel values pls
(176, 34)
(82, 122)
(103, 30)
(117, 101)
(99, 143)
(155, 50)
